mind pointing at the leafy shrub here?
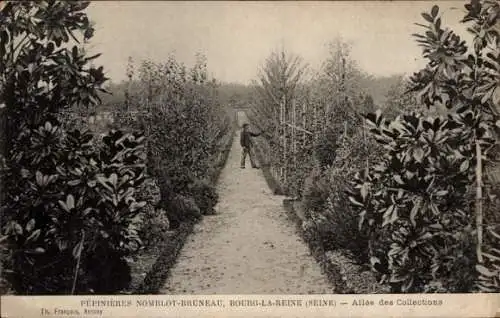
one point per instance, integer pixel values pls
(184, 125)
(149, 192)
(42, 73)
(419, 192)
(326, 147)
(315, 191)
(74, 208)
(182, 208)
(175, 197)
(467, 82)
(417, 200)
(344, 229)
(325, 198)
(489, 272)
(154, 221)
(69, 208)
(154, 224)
(317, 226)
(205, 196)
(336, 228)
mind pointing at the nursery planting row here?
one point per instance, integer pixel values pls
(411, 192)
(81, 209)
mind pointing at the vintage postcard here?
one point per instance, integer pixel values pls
(249, 159)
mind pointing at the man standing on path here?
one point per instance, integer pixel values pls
(246, 144)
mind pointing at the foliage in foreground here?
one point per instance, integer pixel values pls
(69, 207)
(426, 227)
(415, 203)
(73, 219)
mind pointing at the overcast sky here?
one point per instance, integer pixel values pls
(236, 37)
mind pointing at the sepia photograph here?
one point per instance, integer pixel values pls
(249, 148)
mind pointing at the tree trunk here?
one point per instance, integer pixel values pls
(479, 203)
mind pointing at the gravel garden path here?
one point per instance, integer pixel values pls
(249, 246)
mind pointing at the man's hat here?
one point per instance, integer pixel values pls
(245, 125)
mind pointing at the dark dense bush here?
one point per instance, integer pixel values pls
(205, 196)
(154, 224)
(326, 146)
(420, 195)
(345, 233)
(315, 194)
(325, 200)
(69, 212)
(154, 220)
(417, 200)
(73, 208)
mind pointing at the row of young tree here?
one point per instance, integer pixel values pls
(412, 189)
(187, 128)
(77, 204)
(305, 112)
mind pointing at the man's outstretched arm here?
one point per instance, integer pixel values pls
(255, 134)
